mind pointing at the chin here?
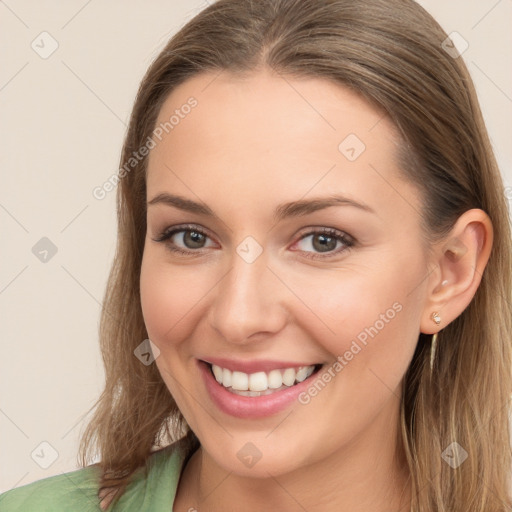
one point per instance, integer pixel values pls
(257, 457)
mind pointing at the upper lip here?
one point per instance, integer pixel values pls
(254, 366)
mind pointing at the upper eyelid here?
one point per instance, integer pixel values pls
(309, 230)
(343, 236)
(185, 227)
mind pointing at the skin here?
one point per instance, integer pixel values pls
(252, 143)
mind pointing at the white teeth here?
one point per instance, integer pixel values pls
(217, 371)
(289, 377)
(302, 374)
(275, 380)
(240, 381)
(226, 377)
(260, 383)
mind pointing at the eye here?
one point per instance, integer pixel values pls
(185, 239)
(324, 241)
(320, 243)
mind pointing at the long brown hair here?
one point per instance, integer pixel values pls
(391, 53)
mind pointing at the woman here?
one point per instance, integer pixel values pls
(314, 236)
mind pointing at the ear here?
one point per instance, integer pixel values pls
(459, 262)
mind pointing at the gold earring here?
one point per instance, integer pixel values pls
(433, 345)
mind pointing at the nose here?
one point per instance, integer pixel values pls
(249, 303)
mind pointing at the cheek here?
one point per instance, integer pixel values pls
(366, 315)
(170, 299)
(171, 303)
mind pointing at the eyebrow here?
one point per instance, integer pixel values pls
(285, 210)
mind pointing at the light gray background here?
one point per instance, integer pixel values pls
(63, 119)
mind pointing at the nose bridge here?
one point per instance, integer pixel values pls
(248, 301)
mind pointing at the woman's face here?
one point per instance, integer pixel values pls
(293, 243)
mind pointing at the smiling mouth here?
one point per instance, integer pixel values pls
(261, 383)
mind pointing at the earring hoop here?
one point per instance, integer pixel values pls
(433, 348)
(433, 344)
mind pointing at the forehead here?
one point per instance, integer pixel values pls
(276, 136)
(280, 108)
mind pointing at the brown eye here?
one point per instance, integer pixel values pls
(324, 243)
(193, 239)
(185, 240)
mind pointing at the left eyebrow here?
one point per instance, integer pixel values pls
(182, 203)
(285, 210)
(306, 206)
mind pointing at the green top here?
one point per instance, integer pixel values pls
(78, 490)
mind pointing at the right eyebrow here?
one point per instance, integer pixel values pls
(291, 209)
(181, 203)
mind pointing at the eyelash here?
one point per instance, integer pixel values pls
(347, 240)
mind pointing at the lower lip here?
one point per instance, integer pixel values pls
(250, 407)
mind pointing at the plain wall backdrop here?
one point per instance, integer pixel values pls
(69, 74)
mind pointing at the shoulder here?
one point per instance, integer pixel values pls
(154, 490)
(76, 490)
